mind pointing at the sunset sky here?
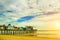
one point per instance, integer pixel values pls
(42, 14)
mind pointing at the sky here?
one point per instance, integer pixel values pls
(41, 14)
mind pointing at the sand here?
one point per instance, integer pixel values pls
(19, 37)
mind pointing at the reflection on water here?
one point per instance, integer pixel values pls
(50, 33)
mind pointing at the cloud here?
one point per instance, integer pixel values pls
(24, 12)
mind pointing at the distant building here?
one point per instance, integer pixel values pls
(29, 28)
(15, 28)
(21, 28)
(10, 27)
(2, 27)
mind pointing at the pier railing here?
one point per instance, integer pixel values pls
(16, 32)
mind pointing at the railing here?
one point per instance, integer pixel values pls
(16, 32)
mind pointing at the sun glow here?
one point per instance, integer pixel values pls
(57, 24)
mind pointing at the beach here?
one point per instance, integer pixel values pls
(44, 35)
(15, 37)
